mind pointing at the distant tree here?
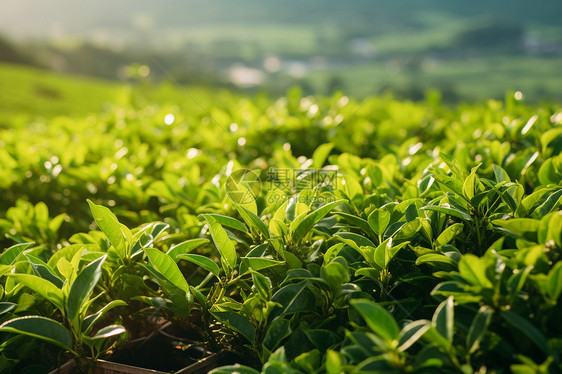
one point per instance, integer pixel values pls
(12, 54)
(335, 83)
(492, 35)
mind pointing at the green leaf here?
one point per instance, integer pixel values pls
(291, 260)
(409, 229)
(478, 327)
(223, 244)
(379, 220)
(234, 369)
(226, 221)
(42, 287)
(473, 269)
(167, 267)
(276, 332)
(335, 274)
(186, 247)
(322, 338)
(470, 183)
(325, 209)
(500, 174)
(109, 224)
(351, 187)
(411, 333)
(82, 287)
(453, 164)
(44, 271)
(262, 284)
(90, 320)
(434, 337)
(108, 331)
(253, 221)
(203, 262)
(554, 286)
(293, 298)
(321, 154)
(354, 240)
(379, 320)
(56, 222)
(449, 233)
(550, 204)
(257, 263)
(181, 300)
(443, 319)
(527, 329)
(554, 231)
(437, 260)
(333, 362)
(518, 226)
(40, 327)
(385, 252)
(238, 323)
(448, 183)
(309, 361)
(299, 228)
(311, 219)
(547, 173)
(549, 136)
(10, 255)
(358, 222)
(5, 307)
(449, 211)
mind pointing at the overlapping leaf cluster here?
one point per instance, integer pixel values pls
(435, 249)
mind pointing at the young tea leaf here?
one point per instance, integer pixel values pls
(82, 286)
(42, 328)
(379, 320)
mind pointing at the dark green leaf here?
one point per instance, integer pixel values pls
(82, 287)
(238, 323)
(262, 284)
(90, 320)
(5, 307)
(478, 327)
(42, 328)
(204, 262)
(528, 329)
(443, 319)
(293, 298)
(44, 271)
(379, 220)
(411, 333)
(554, 287)
(276, 332)
(379, 320)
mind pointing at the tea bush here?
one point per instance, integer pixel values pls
(314, 234)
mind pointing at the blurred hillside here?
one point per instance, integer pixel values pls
(467, 50)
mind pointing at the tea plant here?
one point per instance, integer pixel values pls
(431, 242)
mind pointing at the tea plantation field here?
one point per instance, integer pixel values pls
(307, 234)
